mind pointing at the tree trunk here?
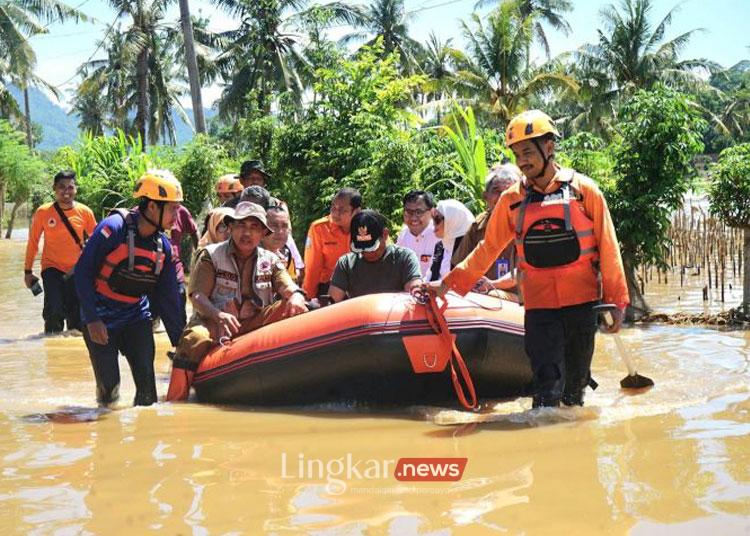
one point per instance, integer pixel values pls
(142, 109)
(192, 67)
(2, 204)
(12, 220)
(746, 274)
(27, 114)
(638, 307)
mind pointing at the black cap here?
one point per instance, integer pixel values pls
(248, 166)
(256, 194)
(366, 229)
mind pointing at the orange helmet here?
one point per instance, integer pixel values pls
(228, 184)
(158, 185)
(527, 125)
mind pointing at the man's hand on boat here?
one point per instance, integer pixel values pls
(295, 304)
(227, 323)
(436, 288)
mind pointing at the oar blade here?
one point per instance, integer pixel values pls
(636, 381)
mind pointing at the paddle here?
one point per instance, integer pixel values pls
(633, 380)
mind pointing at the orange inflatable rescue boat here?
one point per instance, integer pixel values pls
(382, 349)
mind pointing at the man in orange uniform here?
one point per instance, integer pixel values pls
(327, 240)
(568, 259)
(65, 225)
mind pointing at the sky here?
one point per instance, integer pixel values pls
(724, 37)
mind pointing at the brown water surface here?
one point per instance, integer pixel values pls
(673, 460)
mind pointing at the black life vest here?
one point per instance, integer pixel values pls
(131, 270)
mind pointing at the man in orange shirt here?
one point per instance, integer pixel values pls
(568, 259)
(65, 225)
(327, 240)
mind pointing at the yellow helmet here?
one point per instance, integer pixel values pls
(158, 185)
(527, 125)
(228, 183)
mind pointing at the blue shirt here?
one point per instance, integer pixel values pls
(111, 232)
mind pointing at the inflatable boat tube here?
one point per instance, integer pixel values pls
(375, 350)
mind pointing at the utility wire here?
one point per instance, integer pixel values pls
(104, 39)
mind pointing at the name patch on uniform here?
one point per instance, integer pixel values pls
(226, 275)
(263, 278)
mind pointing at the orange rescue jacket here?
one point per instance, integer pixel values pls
(326, 242)
(565, 256)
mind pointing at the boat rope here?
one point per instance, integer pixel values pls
(436, 317)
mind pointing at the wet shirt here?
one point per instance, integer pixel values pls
(326, 242)
(358, 277)
(183, 224)
(108, 235)
(60, 249)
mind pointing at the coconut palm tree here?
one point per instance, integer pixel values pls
(389, 21)
(436, 62)
(550, 12)
(116, 79)
(19, 20)
(262, 55)
(493, 73)
(634, 54)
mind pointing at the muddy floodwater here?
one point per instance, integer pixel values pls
(673, 460)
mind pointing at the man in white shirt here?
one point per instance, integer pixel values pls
(418, 233)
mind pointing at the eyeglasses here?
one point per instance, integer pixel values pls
(418, 212)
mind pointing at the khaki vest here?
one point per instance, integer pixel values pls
(227, 285)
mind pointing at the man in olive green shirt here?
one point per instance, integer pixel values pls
(374, 266)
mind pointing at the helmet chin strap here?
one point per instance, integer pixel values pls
(158, 226)
(545, 158)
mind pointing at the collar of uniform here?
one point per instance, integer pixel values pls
(561, 175)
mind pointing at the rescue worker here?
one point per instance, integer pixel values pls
(568, 259)
(232, 290)
(228, 187)
(65, 225)
(327, 240)
(127, 262)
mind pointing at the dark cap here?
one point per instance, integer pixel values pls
(248, 166)
(245, 210)
(366, 230)
(256, 194)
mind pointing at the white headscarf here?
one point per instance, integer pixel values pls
(456, 222)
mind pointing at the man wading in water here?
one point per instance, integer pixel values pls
(568, 259)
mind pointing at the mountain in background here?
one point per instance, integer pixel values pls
(59, 128)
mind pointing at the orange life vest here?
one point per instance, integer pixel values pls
(556, 250)
(128, 271)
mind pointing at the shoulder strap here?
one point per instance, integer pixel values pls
(67, 224)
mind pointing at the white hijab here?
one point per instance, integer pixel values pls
(457, 220)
